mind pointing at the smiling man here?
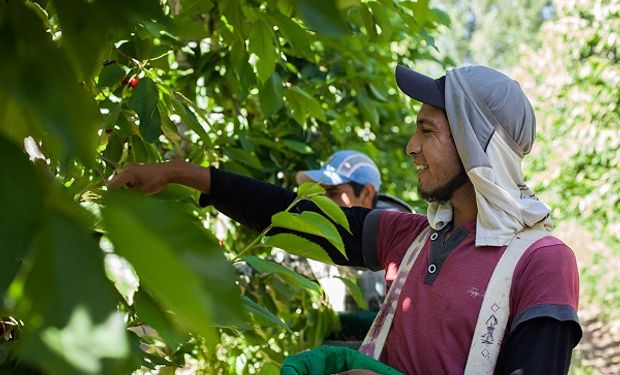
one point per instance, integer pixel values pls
(485, 238)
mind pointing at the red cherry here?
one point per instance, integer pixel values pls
(125, 80)
(134, 82)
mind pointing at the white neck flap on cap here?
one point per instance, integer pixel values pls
(491, 156)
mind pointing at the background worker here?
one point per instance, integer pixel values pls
(351, 179)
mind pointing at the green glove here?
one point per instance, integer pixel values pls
(327, 360)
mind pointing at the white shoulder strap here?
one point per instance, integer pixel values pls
(377, 334)
(495, 310)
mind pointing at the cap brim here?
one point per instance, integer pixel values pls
(317, 176)
(419, 87)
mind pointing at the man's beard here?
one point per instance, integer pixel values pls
(444, 192)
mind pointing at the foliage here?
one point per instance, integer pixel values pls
(490, 32)
(574, 82)
(577, 104)
(263, 88)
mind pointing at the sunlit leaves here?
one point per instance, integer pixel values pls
(84, 343)
(293, 33)
(176, 261)
(261, 40)
(309, 189)
(295, 244)
(311, 223)
(331, 209)
(66, 297)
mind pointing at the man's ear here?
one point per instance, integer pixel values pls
(368, 195)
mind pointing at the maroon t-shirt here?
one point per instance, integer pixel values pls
(439, 303)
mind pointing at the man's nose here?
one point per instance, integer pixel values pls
(414, 145)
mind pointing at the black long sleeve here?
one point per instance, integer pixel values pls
(538, 346)
(252, 203)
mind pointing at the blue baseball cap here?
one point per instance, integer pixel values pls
(342, 167)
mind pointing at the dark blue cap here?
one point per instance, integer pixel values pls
(422, 88)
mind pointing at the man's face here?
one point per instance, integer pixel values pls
(344, 195)
(439, 169)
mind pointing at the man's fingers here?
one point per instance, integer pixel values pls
(121, 180)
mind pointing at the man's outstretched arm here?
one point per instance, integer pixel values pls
(248, 201)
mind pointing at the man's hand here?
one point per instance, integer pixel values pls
(150, 178)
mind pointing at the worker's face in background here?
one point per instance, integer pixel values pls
(344, 195)
(439, 168)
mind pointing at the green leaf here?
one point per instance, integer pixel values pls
(233, 12)
(311, 223)
(67, 302)
(269, 369)
(297, 146)
(271, 95)
(152, 314)
(189, 118)
(83, 343)
(293, 33)
(265, 266)
(263, 316)
(377, 93)
(381, 18)
(302, 103)
(144, 102)
(114, 148)
(331, 209)
(324, 17)
(262, 45)
(40, 83)
(369, 22)
(138, 150)
(441, 16)
(112, 117)
(175, 260)
(244, 157)
(295, 244)
(111, 75)
(310, 103)
(368, 110)
(87, 26)
(21, 199)
(297, 109)
(356, 292)
(310, 188)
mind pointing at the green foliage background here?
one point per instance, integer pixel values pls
(263, 88)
